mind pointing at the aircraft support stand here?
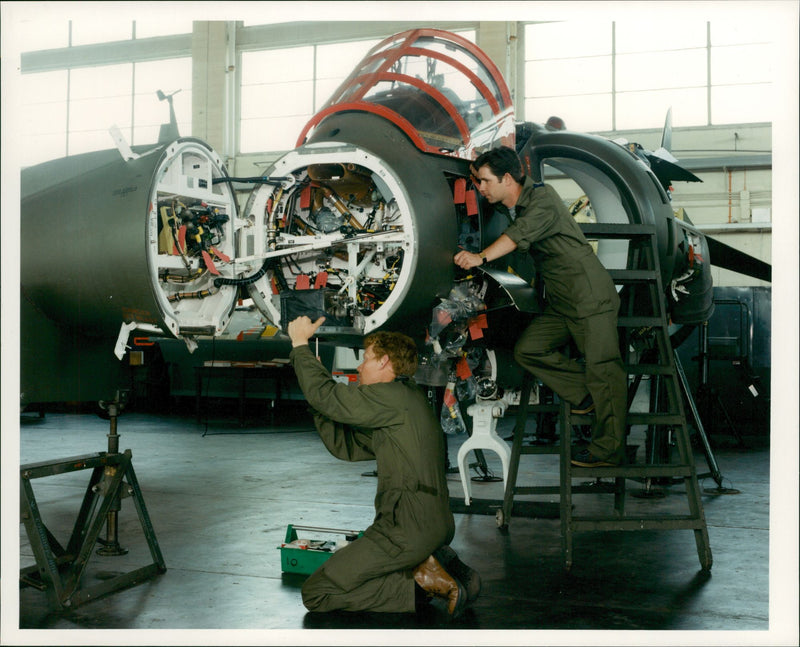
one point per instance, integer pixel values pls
(59, 570)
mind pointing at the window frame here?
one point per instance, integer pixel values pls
(708, 87)
(123, 52)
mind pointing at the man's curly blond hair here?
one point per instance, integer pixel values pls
(400, 348)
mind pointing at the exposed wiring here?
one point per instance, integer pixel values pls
(247, 280)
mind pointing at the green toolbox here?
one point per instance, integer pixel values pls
(304, 553)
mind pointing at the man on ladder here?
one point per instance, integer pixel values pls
(582, 302)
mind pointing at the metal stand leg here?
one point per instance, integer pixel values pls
(110, 545)
(701, 432)
(59, 571)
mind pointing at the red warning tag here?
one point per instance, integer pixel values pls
(302, 282)
(472, 203)
(459, 190)
(321, 281)
(181, 239)
(463, 370)
(220, 255)
(305, 198)
(210, 263)
(477, 325)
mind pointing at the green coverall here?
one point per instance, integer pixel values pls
(582, 304)
(393, 424)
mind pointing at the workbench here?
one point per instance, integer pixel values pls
(241, 374)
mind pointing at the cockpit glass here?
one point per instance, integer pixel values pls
(439, 85)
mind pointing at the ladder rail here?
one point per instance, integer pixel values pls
(643, 286)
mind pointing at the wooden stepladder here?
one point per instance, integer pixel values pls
(643, 324)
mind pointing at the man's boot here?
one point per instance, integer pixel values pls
(469, 577)
(436, 581)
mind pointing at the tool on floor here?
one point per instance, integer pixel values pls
(304, 554)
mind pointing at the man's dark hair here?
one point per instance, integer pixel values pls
(400, 348)
(500, 161)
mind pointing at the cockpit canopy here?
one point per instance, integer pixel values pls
(439, 88)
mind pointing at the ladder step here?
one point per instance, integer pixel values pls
(537, 489)
(539, 408)
(635, 418)
(632, 471)
(617, 230)
(640, 322)
(593, 488)
(633, 276)
(539, 449)
(671, 522)
(649, 369)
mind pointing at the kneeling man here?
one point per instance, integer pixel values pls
(403, 557)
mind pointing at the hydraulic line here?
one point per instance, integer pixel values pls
(199, 294)
(340, 206)
(178, 278)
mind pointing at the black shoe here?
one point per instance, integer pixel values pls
(586, 406)
(585, 458)
(469, 578)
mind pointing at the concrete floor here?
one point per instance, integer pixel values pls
(220, 497)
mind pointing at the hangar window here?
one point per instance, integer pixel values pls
(277, 95)
(609, 75)
(278, 99)
(170, 76)
(67, 112)
(44, 31)
(44, 120)
(81, 75)
(86, 32)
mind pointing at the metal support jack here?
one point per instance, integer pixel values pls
(59, 570)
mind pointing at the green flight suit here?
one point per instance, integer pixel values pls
(393, 424)
(582, 304)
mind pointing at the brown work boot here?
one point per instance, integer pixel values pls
(469, 577)
(434, 580)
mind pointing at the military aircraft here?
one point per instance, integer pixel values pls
(359, 222)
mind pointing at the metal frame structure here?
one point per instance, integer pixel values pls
(59, 570)
(659, 364)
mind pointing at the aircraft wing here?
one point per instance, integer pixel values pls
(727, 257)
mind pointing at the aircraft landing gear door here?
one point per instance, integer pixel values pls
(191, 240)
